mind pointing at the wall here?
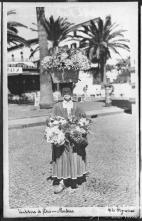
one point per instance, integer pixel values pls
(123, 90)
(86, 79)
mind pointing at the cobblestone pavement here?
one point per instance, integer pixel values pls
(111, 161)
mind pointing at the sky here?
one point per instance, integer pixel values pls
(123, 13)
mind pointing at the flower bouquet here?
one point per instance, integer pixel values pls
(54, 136)
(66, 59)
(78, 131)
(73, 130)
(53, 132)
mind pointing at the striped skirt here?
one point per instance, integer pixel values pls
(68, 162)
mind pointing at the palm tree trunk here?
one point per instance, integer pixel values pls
(104, 73)
(46, 94)
(104, 81)
(107, 88)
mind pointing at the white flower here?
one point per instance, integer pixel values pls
(62, 121)
(55, 122)
(80, 130)
(83, 122)
(54, 135)
(61, 138)
(64, 56)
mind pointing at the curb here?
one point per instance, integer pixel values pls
(92, 114)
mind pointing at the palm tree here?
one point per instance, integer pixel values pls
(12, 31)
(56, 30)
(46, 95)
(100, 40)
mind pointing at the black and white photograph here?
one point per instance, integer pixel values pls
(71, 118)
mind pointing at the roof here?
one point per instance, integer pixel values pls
(24, 73)
(75, 27)
(29, 42)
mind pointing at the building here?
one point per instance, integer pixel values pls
(23, 71)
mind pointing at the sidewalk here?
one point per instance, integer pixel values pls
(21, 116)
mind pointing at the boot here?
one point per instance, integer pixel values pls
(60, 187)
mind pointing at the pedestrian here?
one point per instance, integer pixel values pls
(68, 162)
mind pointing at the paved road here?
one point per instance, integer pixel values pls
(21, 111)
(111, 162)
(16, 111)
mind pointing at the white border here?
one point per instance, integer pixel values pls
(140, 121)
(5, 117)
(55, 211)
(73, 212)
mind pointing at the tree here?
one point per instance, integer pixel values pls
(56, 30)
(100, 40)
(12, 31)
(124, 69)
(123, 64)
(46, 95)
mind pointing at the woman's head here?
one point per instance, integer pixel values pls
(66, 93)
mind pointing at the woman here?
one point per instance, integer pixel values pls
(69, 162)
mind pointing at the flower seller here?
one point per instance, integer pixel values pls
(68, 159)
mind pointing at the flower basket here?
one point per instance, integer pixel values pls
(65, 65)
(71, 75)
(65, 75)
(56, 75)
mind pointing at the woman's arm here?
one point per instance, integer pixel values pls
(53, 113)
(54, 110)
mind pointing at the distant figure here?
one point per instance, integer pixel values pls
(85, 91)
(57, 95)
(37, 98)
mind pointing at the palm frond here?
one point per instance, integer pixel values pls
(84, 32)
(34, 51)
(115, 50)
(107, 22)
(16, 24)
(32, 29)
(94, 29)
(57, 30)
(33, 23)
(86, 29)
(11, 37)
(120, 40)
(108, 54)
(100, 28)
(11, 12)
(108, 30)
(12, 31)
(116, 34)
(123, 46)
(92, 53)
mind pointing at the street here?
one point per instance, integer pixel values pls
(111, 156)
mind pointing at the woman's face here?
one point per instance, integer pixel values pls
(67, 97)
